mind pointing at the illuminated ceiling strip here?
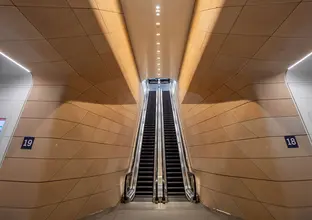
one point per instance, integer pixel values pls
(9, 58)
(292, 66)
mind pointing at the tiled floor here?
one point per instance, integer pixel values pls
(150, 211)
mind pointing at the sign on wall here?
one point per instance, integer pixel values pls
(28, 143)
(291, 142)
(2, 122)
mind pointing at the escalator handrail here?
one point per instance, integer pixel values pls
(155, 182)
(191, 192)
(128, 195)
(164, 166)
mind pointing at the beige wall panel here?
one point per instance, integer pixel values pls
(231, 167)
(42, 3)
(271, 147)
(78, 57)
(204, 5)
(45, 148)
(38, 170)
(53, 93)
(289, 194)
(279, 126)
(5, 2)
(85, 187)
(258, 71)
(109, 181)
(284, 49)
(253, 210)
(207, 198)
(238, 131)
(265, 2)
(16, 25)
(93, 150)
(226, 203)
(100, 202)
(55, 110)
(68, 209)
(242, 46)
(265, 91)
(297, 24)
(39, 17)
(109, 5)
(228, 185)
(43, 127)
(26, 214)
(73, 169)
(218, 20)
(28, 195)
(30, 51)
(91, 20)
(104, 166)
(83, 3)
(220, 150)
(285, 169)
(283, 213)
(235, 116)
(252, 22)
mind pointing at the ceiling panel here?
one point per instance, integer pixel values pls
(174, 18)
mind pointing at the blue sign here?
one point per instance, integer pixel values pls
(28, 143)
(291, 142)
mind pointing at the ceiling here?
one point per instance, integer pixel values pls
(81, 46)
(174, 18)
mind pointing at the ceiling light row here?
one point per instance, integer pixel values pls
(157, 41)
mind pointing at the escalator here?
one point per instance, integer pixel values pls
(159, 171)
(145, 180)
(175, 185)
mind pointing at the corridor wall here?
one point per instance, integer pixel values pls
(82, 108)
(236, 108)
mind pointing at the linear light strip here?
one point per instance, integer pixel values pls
(292, 66)
(9, 58)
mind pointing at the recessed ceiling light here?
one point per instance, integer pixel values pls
(158, 34)
(157, 10)
(157, 23)
(158, 64)
(157, 14)
(157, 7)
(158, 43)
(158, 58)
(158, 51)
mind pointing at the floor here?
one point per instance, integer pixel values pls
(150, 211)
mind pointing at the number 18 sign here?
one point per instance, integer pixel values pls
(28, 143)
(291, 142)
